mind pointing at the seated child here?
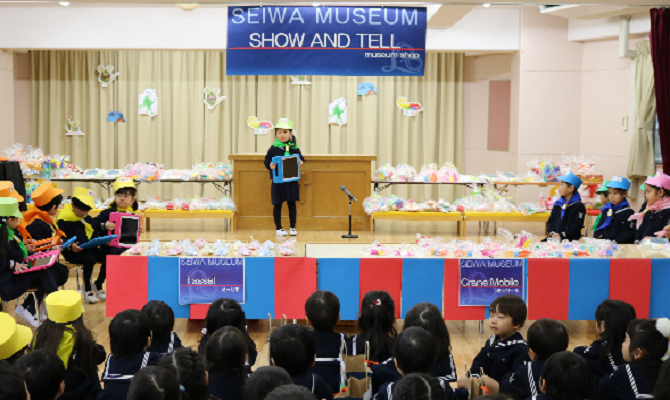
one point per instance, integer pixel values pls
(14, 339)
(323, 313)
(428, 317)
(546, 337)
(74, 221)
(129, 338)
(604, 354)
(188, 367)
(163, 339)
(12, 384)
(417, 387)
(65, 335)
(414, 352)
(44, 374)
(615, 225)
(376, 320)
(154, 383)
(604, 193)
(645, 345)
(506, 350)
(226, 354)
(264, 380)
(565, 376)
(290, 392)
(656, 216)
(227, 312)
(662, 390)
(293, 348)
(567, 216)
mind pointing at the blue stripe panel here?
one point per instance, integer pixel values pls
(422, 281)
(341, 276)
(260, 287)
(164, 284)
(659, 302)
(589, 286)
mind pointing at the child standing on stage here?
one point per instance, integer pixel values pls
(656, 216)
(285, 144)
(567, 217)
(615, 225)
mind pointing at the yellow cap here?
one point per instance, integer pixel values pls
(64, 306)
(13, 337)
(84, 195)
(45, 193)
(121, 183)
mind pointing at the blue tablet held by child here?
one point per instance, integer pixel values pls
(288, 169)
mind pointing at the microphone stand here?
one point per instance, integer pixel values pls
(350, 236)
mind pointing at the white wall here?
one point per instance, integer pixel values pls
(606, 28)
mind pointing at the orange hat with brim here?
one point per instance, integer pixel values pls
(45, 193)
(7, 190)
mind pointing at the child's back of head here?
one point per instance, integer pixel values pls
(221, 313)
(647, 340)
(414, 350)
(377, 321)
(323, 310)
(293, 348)
(566, 376)
(546, 337)
(290, 392)
(429, 317)
(12, 385)
(263, 381)
(613, 317)
(129, 333)
(48, 337)
(226, 351)
(44, 374)
(189, 369)
(511, 305)
(161, 317)
(418, 387)
(154, 383)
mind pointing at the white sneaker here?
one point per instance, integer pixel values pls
(281, 232)
(90, 298)
(26, 315)
(100, 294)
(294, 232)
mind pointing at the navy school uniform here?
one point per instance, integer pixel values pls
(524, 382)
(628, 381)
(329, 361)
(39, 230)
(281, 192)
(497, 358)
(386, 391)
(652, 222)
(165, 343)
(540, 396)
(119, 372)
(356, 346)
(620, 229)
(77, 385)
(315, 384)
(601, 367)
(387, 372)
(224, 385)
(570, 226)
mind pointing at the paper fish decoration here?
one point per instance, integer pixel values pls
(148, 103)
(212, 97)
(409, 109)
(73, 129)
(337, 112)
(300, 80)
(105, 75)
(365, 89)
(260, 127)
(115, 116)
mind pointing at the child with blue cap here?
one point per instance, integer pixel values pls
(567, 216)
(614, 224)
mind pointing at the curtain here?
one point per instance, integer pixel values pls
(641, 152)
(185, 132)
(660, 55)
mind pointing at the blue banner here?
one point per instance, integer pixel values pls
(354, 41)
(203, 280)
(483, 280)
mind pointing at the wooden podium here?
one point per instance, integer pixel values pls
(322, 207)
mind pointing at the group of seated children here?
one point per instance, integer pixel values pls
(18, 233)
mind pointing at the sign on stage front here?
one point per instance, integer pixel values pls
(483, 280)
(202, 280)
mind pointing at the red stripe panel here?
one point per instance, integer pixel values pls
(199, 311)
(630, 281)
(381, 274)
(452, 311)
(548, 288)
(127, 283)
(295, 281)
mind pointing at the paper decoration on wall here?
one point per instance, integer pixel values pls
(115, 116)
(212, 98)
(260, 127)
(300, 80)
(337, 112)
(365, 89)
(148, 103)
(73, 129)
(105, 75)
(408, 109)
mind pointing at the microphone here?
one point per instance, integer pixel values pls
(351, 196)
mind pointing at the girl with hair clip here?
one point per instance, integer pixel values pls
(154, 383)
(227, 312)
(187, 366)
(645, 345)
(226, 354)
(377, 323)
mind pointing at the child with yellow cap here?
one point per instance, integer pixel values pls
(65, 334)
(14, 339)
(74, 221)
(13, 254)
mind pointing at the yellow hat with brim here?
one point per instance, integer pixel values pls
(7, 190)
(13, 337)
(9, 207)
(64, 306)
(86, 196)
(45, 193)
(121, 183)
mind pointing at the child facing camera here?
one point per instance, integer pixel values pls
(655, 217)
(567, 216)
(613, 223)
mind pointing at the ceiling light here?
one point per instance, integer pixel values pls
(64, 3)
(487, 5)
